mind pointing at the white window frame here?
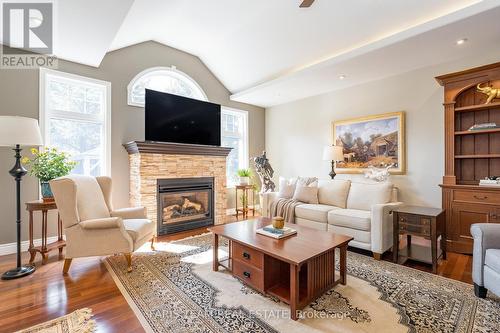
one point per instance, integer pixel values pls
(150, 70)
(245, 151)
(44, 114)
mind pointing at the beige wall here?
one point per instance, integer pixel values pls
(19, 96)
(296, 132)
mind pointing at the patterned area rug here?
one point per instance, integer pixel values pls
(175, 290)
(76, 322)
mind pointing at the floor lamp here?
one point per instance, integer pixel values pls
(16, 132)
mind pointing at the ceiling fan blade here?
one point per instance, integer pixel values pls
(306, 3)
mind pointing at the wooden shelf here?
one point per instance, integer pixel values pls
(490, 130)
(282, 291)
(478, 156)
(477, 107)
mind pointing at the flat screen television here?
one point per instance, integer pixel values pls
(173, 118)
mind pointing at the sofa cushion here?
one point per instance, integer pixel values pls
(492, 259)
(350, 218)
(364, 196)
(138, 228)
(314, 212)
(333, 192)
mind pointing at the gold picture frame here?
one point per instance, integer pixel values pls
(378, 140)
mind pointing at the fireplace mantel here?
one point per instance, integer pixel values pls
(135, 147)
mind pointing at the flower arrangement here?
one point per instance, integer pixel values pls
(47, 164)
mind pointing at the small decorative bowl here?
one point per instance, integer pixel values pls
(278, 222)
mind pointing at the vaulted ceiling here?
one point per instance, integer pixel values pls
(268, 52)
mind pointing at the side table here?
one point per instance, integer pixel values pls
(245, 190)
(425, 222)
(44, 248)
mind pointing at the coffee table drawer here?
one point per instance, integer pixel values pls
(248, 255)
(249, 274)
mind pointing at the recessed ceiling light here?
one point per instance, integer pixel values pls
(461, 41)
(341, 77)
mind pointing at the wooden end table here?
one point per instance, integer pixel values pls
(297, 269)
(44, 249)
(245, 189)
(425, 222)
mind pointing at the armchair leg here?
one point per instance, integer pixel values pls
(67, 263)
(128, 256)
(480, 291)
(153, 240)
(377, 256)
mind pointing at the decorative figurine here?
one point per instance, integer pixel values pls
(491, 92)
(265, 172)
(378, 174)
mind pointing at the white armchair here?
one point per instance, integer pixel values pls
(92, 226)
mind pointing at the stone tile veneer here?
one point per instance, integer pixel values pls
(146, 168)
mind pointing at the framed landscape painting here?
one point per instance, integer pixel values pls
(377, 141)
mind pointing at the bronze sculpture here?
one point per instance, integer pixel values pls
(265, 172)
(491, 92)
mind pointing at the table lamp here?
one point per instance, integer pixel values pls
(16, 132)
(333, 154)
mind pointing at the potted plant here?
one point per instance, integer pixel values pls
(48, 164)
(244, 175)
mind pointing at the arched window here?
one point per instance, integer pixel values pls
(164, 79)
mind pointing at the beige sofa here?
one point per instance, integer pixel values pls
(360, 210)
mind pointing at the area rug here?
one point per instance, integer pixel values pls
(175, 290)
(78, 321)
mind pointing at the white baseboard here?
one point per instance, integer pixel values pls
(10, 248)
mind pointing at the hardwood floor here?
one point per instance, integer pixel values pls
(47, 294)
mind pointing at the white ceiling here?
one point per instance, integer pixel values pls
(268, 52)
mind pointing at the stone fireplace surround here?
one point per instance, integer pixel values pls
(150, 161)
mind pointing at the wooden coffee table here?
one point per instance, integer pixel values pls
(297, 269)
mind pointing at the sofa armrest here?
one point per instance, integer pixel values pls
(266, 199)
(381, 227)
(104, 223)
(486, 236)
(130, 213)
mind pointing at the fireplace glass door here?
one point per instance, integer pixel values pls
(184, 204)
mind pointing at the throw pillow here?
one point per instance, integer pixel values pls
(287, 187)
(306, 190)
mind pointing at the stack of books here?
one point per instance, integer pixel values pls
(489, 182)
(270, 231)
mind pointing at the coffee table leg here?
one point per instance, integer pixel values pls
(343, 264)
(294, 290)
(215, 248)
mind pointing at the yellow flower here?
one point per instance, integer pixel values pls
(34, 151)
(25, 160)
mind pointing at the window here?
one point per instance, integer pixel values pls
(75, 114)
(235, 135)
(164, 79)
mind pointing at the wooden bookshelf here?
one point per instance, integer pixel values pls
(470, 155)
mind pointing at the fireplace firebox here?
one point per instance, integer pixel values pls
(185, 204)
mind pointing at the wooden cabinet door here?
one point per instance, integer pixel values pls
(463, 216)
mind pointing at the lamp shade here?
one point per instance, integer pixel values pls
(333, 153)
(19, 131)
